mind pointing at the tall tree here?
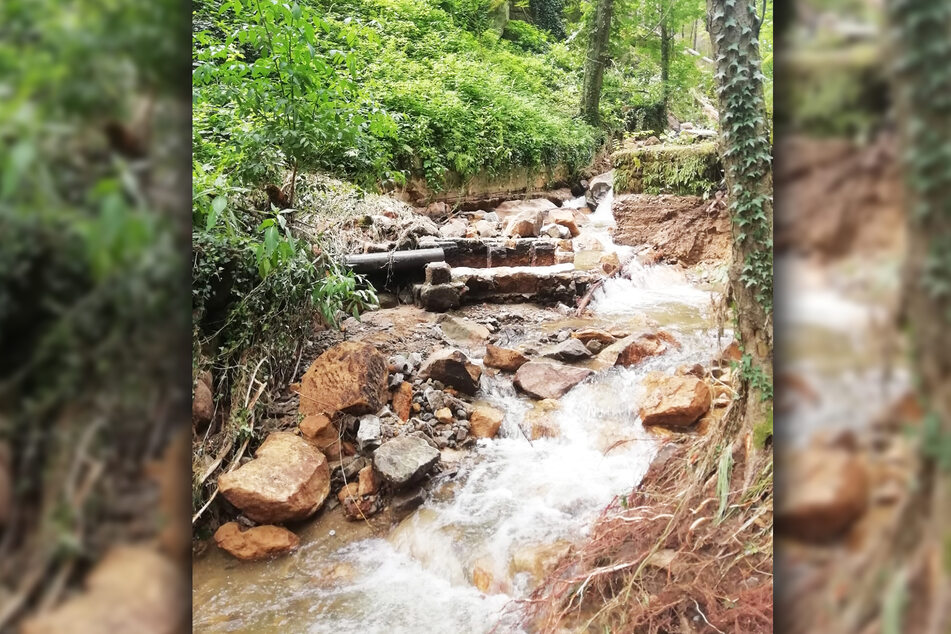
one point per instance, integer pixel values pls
(745, 150)
(595, 61)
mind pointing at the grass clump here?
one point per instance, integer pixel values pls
(667, 169)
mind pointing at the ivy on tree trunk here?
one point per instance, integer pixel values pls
(595, 61)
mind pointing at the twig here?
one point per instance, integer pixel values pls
(705, 617)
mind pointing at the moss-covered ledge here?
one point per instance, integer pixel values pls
(667, 169)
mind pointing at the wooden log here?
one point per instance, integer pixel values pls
(396, 260)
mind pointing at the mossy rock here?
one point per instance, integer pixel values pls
(667, 169)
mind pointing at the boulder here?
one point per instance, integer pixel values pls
(287, 480)
(824, 492)
(455, 228)
(555, 231)
(259, 542)
(641, 347)
(544, 379)
(591, 334)
(598, 188)
(503, 358)
(674, 401)
(404, 460)
(350, 377)
(437, 210)
(526, 224)
(559, 196)
(462, 331)
(586, 260)
(487, 229)
(439, 298)
(438, 273)
(203, 401)
(569, 350)
(610, 263)
(485, 421)
(452, 367)
(320, 430)
(368, 483)
(349, 490)
(513, 207)
(566, 219)
(403, 400)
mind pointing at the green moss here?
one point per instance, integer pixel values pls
(667, 169)
(763, 430)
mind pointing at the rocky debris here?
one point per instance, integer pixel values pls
(696, 370)
(259, 542)
(592, 334)
(555, 231)
(559, 196)
(545, 379)
(825, 492)
(513, 207)
(405, 502)
(367, 481)
(609, 263)
(132, 589)
(350, 377)
(403, 400)
(455, 228)
(287, 480)
(674, 401)
(462, 331)
(526, 224)
(570, 350)
(436, 210)
(598, 188)
(485, 421)
(452, 367)
(438, 298)
(543, 428)
(369, 433)
(641, 347)
(320, 430)
(438, 273)
(443, 415)
(203, 401)
(503, 358)
(486, 229)
(564, 218)
(404, 460)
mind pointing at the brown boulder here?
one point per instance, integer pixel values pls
(641, 347)
(368, 482)
(452, 367)
(526, 224)
(674, 401)
(732, 352)
(543, 379)
(349, 490)
(565, 218)
(610, 263)
(825, 492)
(485, 422)
(350, 377)
(260, 542)
(503, 358)
(203, 401)
(403, 400)
(288, 480)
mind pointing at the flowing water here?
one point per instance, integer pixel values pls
(512, 504)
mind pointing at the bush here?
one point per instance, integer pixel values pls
(525, 36)
(667, 169)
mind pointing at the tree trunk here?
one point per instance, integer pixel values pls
(665, 38)
(595, 61)
(745, 150)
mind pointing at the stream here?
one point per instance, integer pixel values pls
(483, 536)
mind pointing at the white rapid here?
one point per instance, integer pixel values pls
(480, 540)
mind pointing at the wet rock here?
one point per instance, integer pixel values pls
(594, 346)
(503, 358)
(485, 421)
(454, 368)
(609, 263)
(825, 492)
(403, 400)
(259, 542)
(438, 298)
(559, 196)
(587, 260)
(404, 460)
(203, 401)
(361, 508)
(349, 490)
(405, 502)
(369, 434)
(526, 224)
(588, 334)
(569, 350)
(438, 273)
(287, 480)
(674, 401)
(462, 331)
(564, 218)
(544, 428)
(350, 377)
(598, 188)
(556, 231)
(641, 347)
(543, 379)
(455, 228)
(368, 483)
(351, 467)
(132, 589)
(538, 560)
(696, 370)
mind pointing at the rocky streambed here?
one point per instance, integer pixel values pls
(440, 463)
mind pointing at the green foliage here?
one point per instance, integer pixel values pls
(763, 431)
(525, 36)
(754, 376)
(674, 169)
(547, 14)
